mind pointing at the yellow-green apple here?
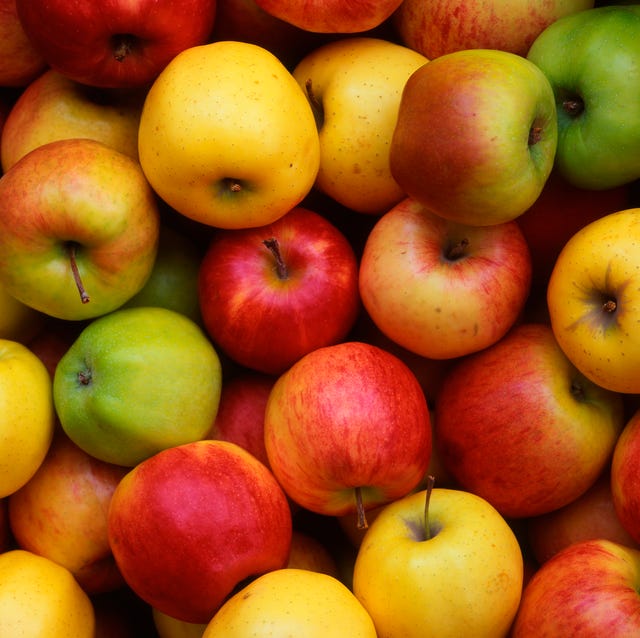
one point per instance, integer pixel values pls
(595, 94)
(168, 627)
(476, 135)
(61, 513)
(136, 381)
(436, 27)
(354, 85)
(520, 426)
(79, 229)
(114, 44)
(18, 321)
(173, 282)
(332, 16)
(593, 308)
(27, 414)
(591, 515)
(292, 602)
(445, 565)
(270, 295)
(589, 589)
(440, 288)
(222, 154)
(191, 523)
(20, 62)
(347, 428)
(55, 107)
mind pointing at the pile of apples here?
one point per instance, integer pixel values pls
(319, 318)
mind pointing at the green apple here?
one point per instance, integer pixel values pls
(79, 228)
(355, 85)
(137, 381)
(449, 566)
(592, 60)
(476, 136)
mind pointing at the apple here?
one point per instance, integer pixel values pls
(192, 522)
(589, 589)
(270, 295)
(169, 627)
(355, 85)
(79, 229)
(417, 267)
(347, 428)
(116, 44)
(55, 107)
(520, 426)
(61, 513)
(311, 553)
(220, 154)
(332, 16)
(136, 381)
(6, 537)
(439, 562)
(18, 321)
(592, 303)
(436, 27)
(53, 341)
(292, 602)
(476, 136)
(591, 515)
(597, 107)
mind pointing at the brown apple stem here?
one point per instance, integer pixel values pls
(609, 306)
(429, 488)
(122, 44)
(84, 297)
(535, 135)
(573, 107)
(360, 511)
(281, 267)
(457, 250)
(316, 104)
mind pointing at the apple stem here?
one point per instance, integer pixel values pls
(316, 104)
(122, 44)
(573, 107)
(274, 247)
(457, 250)
(609, 306)
(535, 135)
(84, 297)
(360, 511)
(429, 488)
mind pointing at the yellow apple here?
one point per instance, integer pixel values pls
(227, 137)
(17, 320)
(593, 300)
(292, 602)
(27, 415)
(41, 598)
(355, 86)
(169, 627)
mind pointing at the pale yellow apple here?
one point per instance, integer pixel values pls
(594, 300)
(27, 415)
(355, 86)
(169, 627)
(227, 136)
(18, 321)
(292, 602)
(41, 598)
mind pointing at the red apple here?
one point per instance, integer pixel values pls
(518, 424)
(118, 43)
(191, 523)
(589, 589)
(52, 342)
(6, 539)
(270, 295)
(308, 552)
(61, 513)
(347, 428)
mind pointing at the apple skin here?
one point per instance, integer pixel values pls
(592, 515)
(518, 425)
(189, 524)
(465, 580)
(18, 321)
(355, 85)
(83, 194)
(265, 318)
(220, 155)
(332, 16)
(61, 513)
(592, 300)
(343, 417)
(476, 136)
(596, 98)
(54, 107)
(436, 27)
(309, 552)
(417, 266)
(588, 589)
(117, 43)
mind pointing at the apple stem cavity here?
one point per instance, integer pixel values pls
(609, 306)
(458, 250)
(535, 135)
(573, 106)
(122, 45)
(316, 104)
(71, 249)
(360, 511)
(281, 268)
(427, 500)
